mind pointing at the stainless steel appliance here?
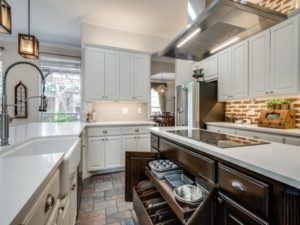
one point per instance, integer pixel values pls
(197, 103)
(217, 22)
(217, 139)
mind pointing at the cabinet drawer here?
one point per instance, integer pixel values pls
(249, 192)
(262, 136)
(103, 131)
(221, 130)
(194, 163)
(135, 130)
(154, 141)
(45, 204)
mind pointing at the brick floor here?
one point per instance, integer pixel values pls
(103, 201)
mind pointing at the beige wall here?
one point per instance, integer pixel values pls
(115, 111)
(96, 35)
(162, 67)
(27, 75)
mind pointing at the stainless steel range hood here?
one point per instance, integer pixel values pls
(220, 22)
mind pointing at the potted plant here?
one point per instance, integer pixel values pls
(285, 104)
(271, 104)
(198, 73)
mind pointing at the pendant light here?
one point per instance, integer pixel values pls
(28, 44)
(5, 17)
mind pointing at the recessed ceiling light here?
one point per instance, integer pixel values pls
(225, 44)
(188, 37)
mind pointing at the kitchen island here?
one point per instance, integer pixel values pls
(253, 184)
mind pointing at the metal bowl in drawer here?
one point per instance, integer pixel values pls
(189, 194)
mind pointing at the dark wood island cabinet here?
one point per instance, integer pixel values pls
(234, 195)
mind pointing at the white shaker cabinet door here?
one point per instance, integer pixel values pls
(94, 75)
(240, 64)
(285, 57)
(210, 68)
(225, 75)
(129, 144)
(259, 64)
(113, 151)
(96, 153)
(112, 75)
(142, 77)
(143, 143)
(126, 76)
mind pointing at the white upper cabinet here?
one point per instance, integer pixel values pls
(112, 75)
(94, 74)
(225, 74)
(240, 76)
(126, 76)
(259, 64)
(285, 57)
(210, 68)
(142, 81)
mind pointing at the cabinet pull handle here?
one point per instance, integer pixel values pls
(271, 92)
(104, 132)
(237, 185)
(266, 92)
(137, 130)
(49, 202)
(73, 187)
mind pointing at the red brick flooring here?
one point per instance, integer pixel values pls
(103, 201)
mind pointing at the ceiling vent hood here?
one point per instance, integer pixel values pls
(220, 25)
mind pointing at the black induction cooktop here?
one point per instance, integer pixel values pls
(217, 139)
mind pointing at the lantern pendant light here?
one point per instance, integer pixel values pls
(28, 44)
(5, 17)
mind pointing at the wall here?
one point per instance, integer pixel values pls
(113, 111)
(162, 67)
(27, 75)
(104, 36)
(251, 109)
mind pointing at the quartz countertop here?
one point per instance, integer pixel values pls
(277, 161)
(23, 177)
(253, 127)
(21, 182)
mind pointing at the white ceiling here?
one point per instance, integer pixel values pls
(58, 21)
(163, 76)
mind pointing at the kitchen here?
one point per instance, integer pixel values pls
(192, 119)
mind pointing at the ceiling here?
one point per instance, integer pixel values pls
(59, 21)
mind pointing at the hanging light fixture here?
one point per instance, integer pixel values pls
(162, 89)
(28, 44)
(5, 17)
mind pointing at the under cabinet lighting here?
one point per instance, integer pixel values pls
(224, 45)
(188, 37)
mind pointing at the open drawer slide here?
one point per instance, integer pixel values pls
(191, 215)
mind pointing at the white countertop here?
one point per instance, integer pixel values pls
(253, 127)
(21, 181)
(277, 161)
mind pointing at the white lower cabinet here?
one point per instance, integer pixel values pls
(221, 130)
(259, 135)
(292, 141)
(104, 152)
(64, 217)
(73, 200)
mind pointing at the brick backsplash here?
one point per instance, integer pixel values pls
(251, 108)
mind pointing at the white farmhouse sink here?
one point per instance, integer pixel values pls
(68, 145)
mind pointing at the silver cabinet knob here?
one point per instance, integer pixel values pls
(104, 132)
(266, 93)
(73, 187)
(271, 92)
(49, 202)
(137, 130)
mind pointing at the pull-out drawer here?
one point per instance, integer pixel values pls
(136, 130)
(194, 163)
(148, 216)
(249, 192)
(103, 131)
(45, 204)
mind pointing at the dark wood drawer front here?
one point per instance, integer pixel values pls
(249, 192)
(140, 210)
(154, 141)
(192, 162)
